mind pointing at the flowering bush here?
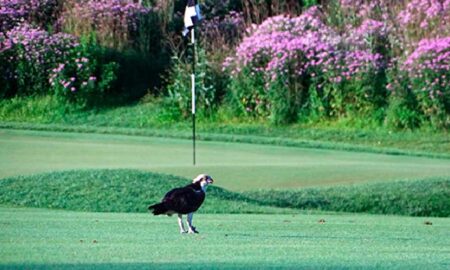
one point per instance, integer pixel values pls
(362, 9)
(304, 63)
(222, 32)
(426, 18)
(40, 12)
(31, 53)
(37, 62)
(82, 79)
(429, 70)
(370, 35)
(285, 52)
(417, 30)
(114, 22)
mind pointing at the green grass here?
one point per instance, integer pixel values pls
(113, 191)
(427, 197)
(50, 239)
(133, 191)
(235, 166)
(155, 119)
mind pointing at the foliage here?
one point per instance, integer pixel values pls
(179, 84)
(286, 61)
(43, 63)
(247, 94)
(113, 21)
(302, 65)
(401, 112)
(30, 54)
(425, 19)
(83, 79)
(429, 70)
(40, 12)
(222, 32)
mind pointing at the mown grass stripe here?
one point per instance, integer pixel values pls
(204, 136)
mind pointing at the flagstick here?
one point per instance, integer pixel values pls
(193, 92)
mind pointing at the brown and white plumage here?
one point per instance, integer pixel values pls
(184, 200)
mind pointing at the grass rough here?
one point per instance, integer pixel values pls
(113, 191)
(133, 190)
(426, 197)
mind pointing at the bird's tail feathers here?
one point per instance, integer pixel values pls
(158, 208)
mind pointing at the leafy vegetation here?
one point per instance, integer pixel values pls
(133, 191)
(383, 63)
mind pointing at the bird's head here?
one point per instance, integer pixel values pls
(204, 180)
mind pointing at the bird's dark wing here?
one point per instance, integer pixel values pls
(183, 200)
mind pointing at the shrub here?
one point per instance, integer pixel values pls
(83, 79)
(133, 35)
(114, 22)
(40, 12)
(429, 70)
(179, 85)
(425, 19)
(222, 32)
(286, 53)
(31, 53)
(306, 67)
(248, 96)
(40, 63)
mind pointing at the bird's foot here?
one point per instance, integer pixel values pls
(192, 230)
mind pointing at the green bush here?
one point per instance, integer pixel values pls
(361, 96)
(247, 96)
(83, 79)
(402, 112)
(434, 98)
(179, 85)
(287, 95)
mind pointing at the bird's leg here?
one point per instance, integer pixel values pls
(180, 223)
(191, 228)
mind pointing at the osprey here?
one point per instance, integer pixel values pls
(184, 200)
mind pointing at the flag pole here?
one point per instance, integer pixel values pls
(193, 93)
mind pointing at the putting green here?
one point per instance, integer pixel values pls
(49, 239)
(235, 166)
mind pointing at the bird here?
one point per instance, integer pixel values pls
(184, 201)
